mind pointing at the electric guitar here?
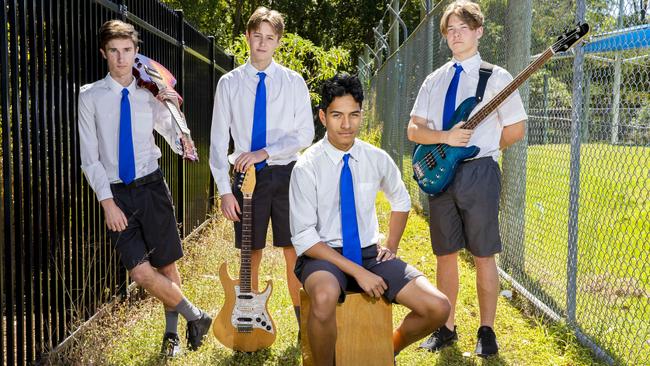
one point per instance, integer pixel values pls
(155, 77)
(434, 166)
(244, 323)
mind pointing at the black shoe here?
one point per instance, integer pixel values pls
(171, 345)
(486, 344)
(439, 339)
(196, 329)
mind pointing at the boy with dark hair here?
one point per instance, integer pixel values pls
(265, 107)
(119, 158)
(335, 231)
(466, 214)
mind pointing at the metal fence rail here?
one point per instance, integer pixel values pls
(56, 264)
(575, 208)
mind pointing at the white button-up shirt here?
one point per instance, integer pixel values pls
(99, 127)
(289, 119)
(314, 197)
(431, 99)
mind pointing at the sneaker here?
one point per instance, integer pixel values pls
(486, 345)
(171, 345)
(196, 329)
(439, 339)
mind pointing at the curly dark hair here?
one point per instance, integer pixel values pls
(339, 85)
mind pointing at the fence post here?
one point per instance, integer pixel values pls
(574, 174)
(211, 47)
(180, 86)
(513, 199)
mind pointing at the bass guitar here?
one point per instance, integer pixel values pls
(244, 323)
(434, 166)
(155, 77)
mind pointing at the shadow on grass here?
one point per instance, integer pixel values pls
(289, 356)
(453, 356)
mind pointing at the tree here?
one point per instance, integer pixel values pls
(314, 63)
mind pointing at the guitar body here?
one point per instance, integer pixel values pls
(244, 323)
(434, 166)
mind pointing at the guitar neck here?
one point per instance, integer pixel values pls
(492, 105)
(246, 247)
(178, 117)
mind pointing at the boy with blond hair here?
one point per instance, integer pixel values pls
(466, 214)
(265, 108)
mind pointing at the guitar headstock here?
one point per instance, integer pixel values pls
(148, 72)
(246, 182)
(570, 37)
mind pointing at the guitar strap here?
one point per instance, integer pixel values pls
(483, 75)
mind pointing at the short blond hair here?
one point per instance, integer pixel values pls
(263, 14)
(117, 29)
(467, 11)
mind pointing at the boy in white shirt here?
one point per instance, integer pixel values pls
(266, 109)
(335, 231)
(120, 162)
(466, 214)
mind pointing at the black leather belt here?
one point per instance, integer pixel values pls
(149, 178)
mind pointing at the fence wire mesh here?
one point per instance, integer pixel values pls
(575, 208)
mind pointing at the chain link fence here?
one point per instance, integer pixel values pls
(575, 208)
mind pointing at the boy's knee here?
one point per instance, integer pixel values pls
(142, 274)
(323, 304)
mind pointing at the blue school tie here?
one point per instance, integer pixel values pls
(349, 227)
(126, 159)
(258, 139)
(450, 99)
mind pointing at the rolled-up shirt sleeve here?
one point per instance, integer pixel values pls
(89, 149)
(303, 133)
(393, 186)
(219, 137)
(303, 217)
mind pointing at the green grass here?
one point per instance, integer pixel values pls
(130, 334)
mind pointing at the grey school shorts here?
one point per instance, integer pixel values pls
(466, 215)
(395, 272)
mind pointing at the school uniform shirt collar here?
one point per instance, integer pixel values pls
(336, 155)
(117, 87)
(470, 66)
(252, 71)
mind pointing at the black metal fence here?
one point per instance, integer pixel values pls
(56, 264)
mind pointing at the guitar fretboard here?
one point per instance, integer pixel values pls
(485, 111)
(246, 246)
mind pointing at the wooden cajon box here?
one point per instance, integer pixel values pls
(364, 328)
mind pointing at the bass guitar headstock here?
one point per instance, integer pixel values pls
(570, 37)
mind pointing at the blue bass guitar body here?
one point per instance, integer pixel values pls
(434, 166)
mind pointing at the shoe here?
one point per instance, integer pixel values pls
(439, 339)
(171, 345)
(196, 329)
(486, 345)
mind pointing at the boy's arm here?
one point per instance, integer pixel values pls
(163, 122)
(399, 199)
(219, 138)
(93, 169)
(89, 150)
(512, 133)
(303, 134)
